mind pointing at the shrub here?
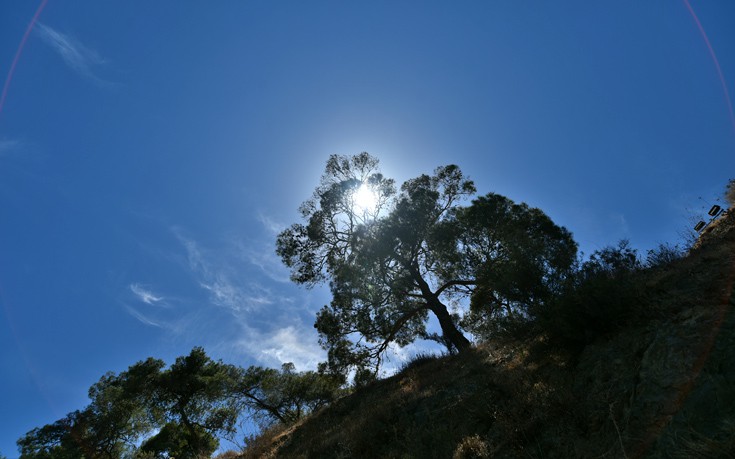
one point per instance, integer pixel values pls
(663, 255)
(730, 192)
(601, 297)
(471, 448)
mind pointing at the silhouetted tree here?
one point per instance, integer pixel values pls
(109, 427)
(149, 411)
(194, 398)
(391, 265)
(285, 396)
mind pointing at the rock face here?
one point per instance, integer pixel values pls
(663, 387)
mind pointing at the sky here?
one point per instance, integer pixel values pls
(151, 151)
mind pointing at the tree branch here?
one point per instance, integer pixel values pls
(452, 283)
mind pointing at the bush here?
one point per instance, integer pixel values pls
(730, 192)
(601, 297)
(472, 448)
(663, 255)
(486, 326)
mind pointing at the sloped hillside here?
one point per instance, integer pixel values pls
(663, 387)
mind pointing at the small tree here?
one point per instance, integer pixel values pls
(391, 265)
(285, 396)
(117, 417)
(195, 399)
(64, 439)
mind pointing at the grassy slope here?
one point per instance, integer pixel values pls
(661, 387)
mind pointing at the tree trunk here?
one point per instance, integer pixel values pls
(449, 329)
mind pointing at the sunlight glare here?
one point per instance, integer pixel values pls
(365, 200)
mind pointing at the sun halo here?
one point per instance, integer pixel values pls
(364, 199)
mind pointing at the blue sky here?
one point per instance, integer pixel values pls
(150, 151)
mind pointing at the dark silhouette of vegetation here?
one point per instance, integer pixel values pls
(601, 297)
(152, 412)
(413, 253)
(730, 192)
(285, 396)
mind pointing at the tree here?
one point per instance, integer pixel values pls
(109, 427)
(391, 265)
(285, 396)
(517, 257)
(64, 439)
(177, 412)
(194, 399)
(120, 412)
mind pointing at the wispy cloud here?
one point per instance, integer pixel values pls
(261, 253)
(145, 295)
(269, 324)
(8, 146)
(228, 286)
(78, 57)
(273, 227)
(142, 317)
(263, 256)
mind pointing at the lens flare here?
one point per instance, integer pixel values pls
(18, 53)
(716, 62)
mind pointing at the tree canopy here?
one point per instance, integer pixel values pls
(413, 254)
(150, 411)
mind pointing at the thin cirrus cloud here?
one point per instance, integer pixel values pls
(142, 317)
(270, 326)
(8, 146)
(145, 295)
(226, 285)
(78, 57)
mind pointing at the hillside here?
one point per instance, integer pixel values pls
(659, 387)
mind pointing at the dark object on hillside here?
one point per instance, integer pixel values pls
(699, 226)
(715, 210)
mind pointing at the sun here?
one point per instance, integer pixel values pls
(365, 199)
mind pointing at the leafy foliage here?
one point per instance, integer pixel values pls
(152, 412)
(194, 399)
(517, 256)
(418, 251)
(730, 192)
(663, 255)
(108, 427)
(285, 396)
(602, 296)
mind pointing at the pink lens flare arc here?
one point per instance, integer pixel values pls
(712, 54)
(18, 52)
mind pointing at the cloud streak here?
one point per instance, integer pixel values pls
(141, 317)
(267, 325)
(227, 286)
(145, 295)
(8, 146)
(78, 57)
